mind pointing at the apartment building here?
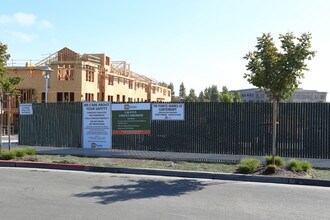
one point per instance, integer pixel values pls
(86, 77)
(300, 95)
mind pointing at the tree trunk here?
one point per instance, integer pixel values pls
(274, 121)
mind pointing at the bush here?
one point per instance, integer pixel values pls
(248, 165)
(306, 166)
(298, 166)
(270, 169)
(30, 151)
(20, 152)
(279, 161)
(8, 154)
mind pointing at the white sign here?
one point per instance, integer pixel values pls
(97, 125)
(25, 109)
(131, 106)
(168, 111)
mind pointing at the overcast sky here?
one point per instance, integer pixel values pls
(200, 43)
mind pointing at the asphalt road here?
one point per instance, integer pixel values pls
(53, 194)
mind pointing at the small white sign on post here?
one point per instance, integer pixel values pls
(97, 125)
(25, 109)
(168, 111)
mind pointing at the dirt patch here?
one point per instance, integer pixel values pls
(282, 172)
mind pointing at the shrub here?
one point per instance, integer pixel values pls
(306, 166)
(20, 152)
(270, 169)
(8, 154)
(248, 165)
(279, 161)
(30, 151)
(298, 166)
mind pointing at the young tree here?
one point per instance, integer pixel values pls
(278, 71)
(182, 91)
(7, 84)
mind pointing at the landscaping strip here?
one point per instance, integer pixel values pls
(173, 173)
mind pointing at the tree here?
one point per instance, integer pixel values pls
(278, 72)
(7, 84)
(214, 93)
(237, 97)
(227, 96)
(171, 87)
(207, 97)
(182, 91)
(192, 96)
(201, 97)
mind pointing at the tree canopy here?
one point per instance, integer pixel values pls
(182, 91)
(278, 71)
(7, 84)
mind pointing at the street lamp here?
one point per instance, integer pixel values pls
(46, 70)
(9, 119)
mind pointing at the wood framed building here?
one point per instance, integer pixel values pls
(86, 77)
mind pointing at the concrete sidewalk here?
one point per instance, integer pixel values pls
(157, 155)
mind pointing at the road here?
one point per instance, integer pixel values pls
(55, 194)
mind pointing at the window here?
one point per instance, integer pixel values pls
(138, 99)
(43, 97)
(89, 97)
(65, 97)
(118, 98)
(65, 72)
(27, 95)
(71, 96)
(59, 97)
(153, 90)
(90, 71)
(124, 98)
(107, 61)
(110, 82)
(168, 93)
(130, 84)
(110, 98)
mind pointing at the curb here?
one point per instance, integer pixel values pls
(171, 173)
(28, 164)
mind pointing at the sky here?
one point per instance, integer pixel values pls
(198, 42)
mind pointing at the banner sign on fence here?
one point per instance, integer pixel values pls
(131, 118)
(168, 111)
(97, 125)
(25, 109)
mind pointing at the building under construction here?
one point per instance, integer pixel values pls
(83, 77)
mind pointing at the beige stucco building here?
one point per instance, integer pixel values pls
(86, 77)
